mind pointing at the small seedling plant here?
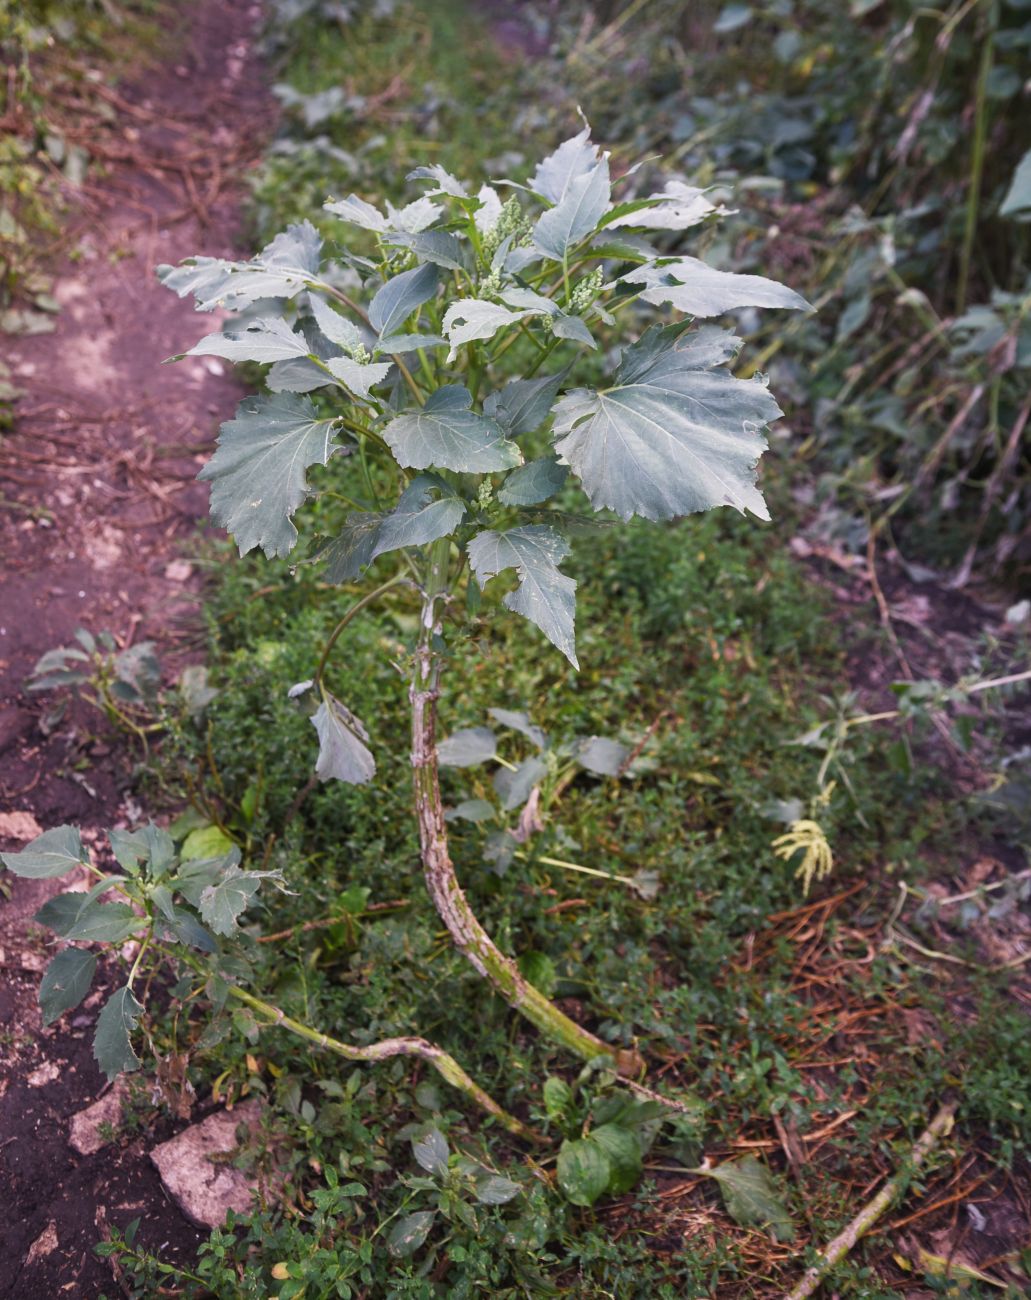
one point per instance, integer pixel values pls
(395, 363)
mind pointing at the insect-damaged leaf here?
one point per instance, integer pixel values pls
(469, 319)
(66, 981)
(544, 595)
(468, 747)
(54, 853)
(447, 434)
(751, 1196)
(343, 755)
(677, 433)
(258, 471)
(700, 290)
(112, 1046)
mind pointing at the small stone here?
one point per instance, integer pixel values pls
(203, 1190)
(20, 826)
(43, 1074)
(84, 1130)
(45, 1244)
(178, 571)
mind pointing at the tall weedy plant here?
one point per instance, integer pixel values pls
(397, 358)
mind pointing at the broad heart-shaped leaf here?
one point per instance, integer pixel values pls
(751, 1196)
(343, 755)
(584, 1170)
(447, 434)
(112, 1046)
(400, 296)
(572, 159)
(602, 757)
(514, 787)
(576, 216)
(532, 483)
(466, 748)
(266, 339)
(281, 270)
(523, 404)
(469, 319)
(258, 472)
(428, 508)
(54, 853)
(544, 595)
(672, 436)
(65, 982)
(700, 290)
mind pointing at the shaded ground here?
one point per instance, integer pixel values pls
(100, 473)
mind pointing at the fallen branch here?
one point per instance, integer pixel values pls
(835, 1251)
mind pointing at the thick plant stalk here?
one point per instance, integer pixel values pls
(441, 880)
(835, 1251)
(445, 1065)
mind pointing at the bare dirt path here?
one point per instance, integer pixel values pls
(107, 441)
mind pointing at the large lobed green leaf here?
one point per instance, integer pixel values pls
(676, 434)
(447, 434)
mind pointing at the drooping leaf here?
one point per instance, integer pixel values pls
(469, 319)
(352, 550)
(431, 1151)
(266, 339)
(534, 482)
(282, 269)
(223, 902)
(520, 722)
(409, 1232)
(112, 1044)
(523, 404)
(545, 595)
(258, 471)
(65, 982)
(468, 747)
(428, 508)
(700, 290)
(583, 1171)
(576, 215)
(514, 787)
(751, 1196)
(602, 757)
(674, 435)
(54, 853)
(400, 296)
(343, 754)
(573, 159)
(436, 246)
(447, 434)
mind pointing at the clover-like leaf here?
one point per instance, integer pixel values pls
(545, 596)
(54, 853)
(343, 754)
(258, 471)
(447, 434)
(65, 982)
(112, 1042)
(674, 435)
(467, 748)
(691, 286)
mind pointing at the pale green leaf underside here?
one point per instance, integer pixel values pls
(267, 339)
(544, 595)
(675, 440)
(282, 269)
(343, 754)
(691, 286)
(258, 472)
(222, 903)
(576, 215)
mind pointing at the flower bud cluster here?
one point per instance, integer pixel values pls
(585, 292)
(512, 221)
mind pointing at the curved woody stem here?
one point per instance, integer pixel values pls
(441, 880)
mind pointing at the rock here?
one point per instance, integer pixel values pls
(204, 1190)
(84, 1129)
(44, 1074)
(20, 826)
(45, 1244)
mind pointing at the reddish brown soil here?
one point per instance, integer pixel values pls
(107, 440)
